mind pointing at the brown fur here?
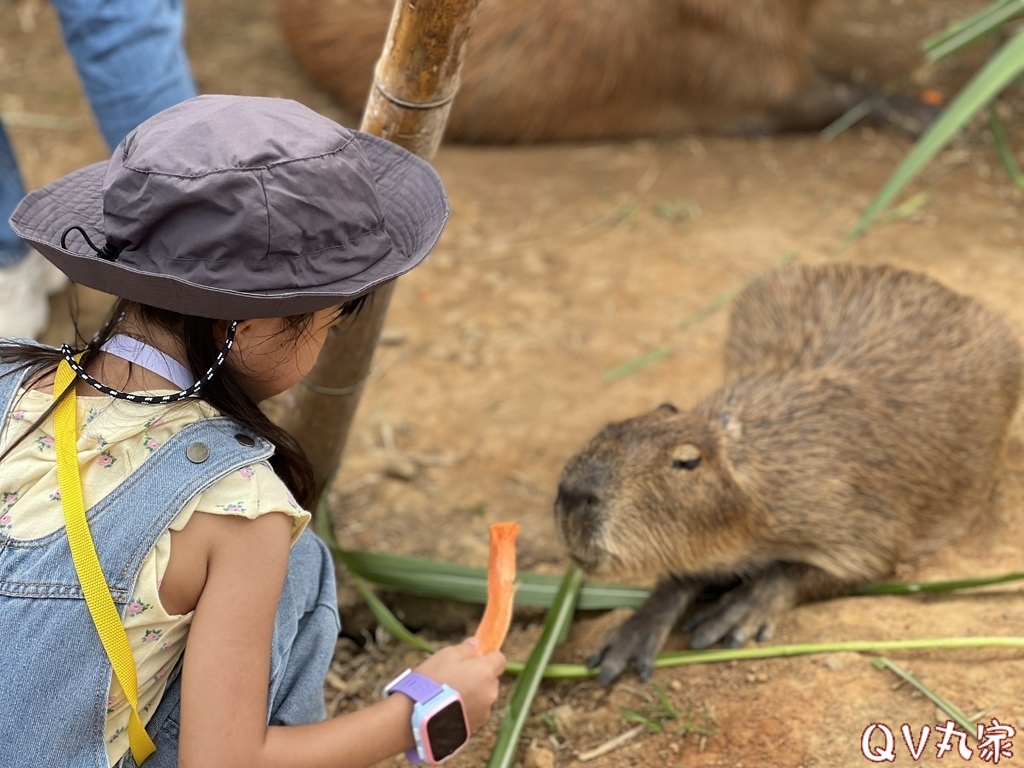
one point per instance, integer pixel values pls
(863, 420)
(547, 70)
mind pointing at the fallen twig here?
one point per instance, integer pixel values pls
(609, 746)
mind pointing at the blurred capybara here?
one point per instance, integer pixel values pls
(862, 421)
(549, 70)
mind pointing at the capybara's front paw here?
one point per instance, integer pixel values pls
(743, 613)
(634, 643)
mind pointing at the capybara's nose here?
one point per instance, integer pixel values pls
(575, 501)
(579, 491)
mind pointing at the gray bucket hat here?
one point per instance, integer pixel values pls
(231, 207)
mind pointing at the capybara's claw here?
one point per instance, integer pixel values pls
(629, 649)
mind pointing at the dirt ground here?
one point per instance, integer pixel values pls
(562, 263)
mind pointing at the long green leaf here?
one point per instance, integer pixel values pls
(433, 578)
(525, 689)
(972, 29)
(1004, 67)
(451, 581)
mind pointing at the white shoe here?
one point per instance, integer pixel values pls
(24, 290)
(51, 279)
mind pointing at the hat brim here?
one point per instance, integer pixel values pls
(415, 211)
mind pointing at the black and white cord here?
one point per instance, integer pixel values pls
(229, 340)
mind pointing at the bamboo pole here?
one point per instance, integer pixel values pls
(415, 81)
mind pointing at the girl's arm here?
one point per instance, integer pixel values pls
(226, 670)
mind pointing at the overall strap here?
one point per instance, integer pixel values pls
(11, 379)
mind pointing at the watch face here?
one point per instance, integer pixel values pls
(446, 730)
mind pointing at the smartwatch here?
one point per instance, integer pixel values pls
(439, 724)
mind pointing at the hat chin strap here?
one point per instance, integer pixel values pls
(108, 251)
(229, 340)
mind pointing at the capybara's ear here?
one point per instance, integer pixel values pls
(668, 407)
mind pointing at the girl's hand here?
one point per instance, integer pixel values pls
(472, 675)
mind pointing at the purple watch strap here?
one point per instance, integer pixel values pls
(416, 687)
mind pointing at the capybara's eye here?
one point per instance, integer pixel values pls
(668, 407)
(685, 463)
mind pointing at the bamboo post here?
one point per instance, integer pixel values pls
(415, 82)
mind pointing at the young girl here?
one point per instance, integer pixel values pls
(151, 518)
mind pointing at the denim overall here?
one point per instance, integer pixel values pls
(54, 674)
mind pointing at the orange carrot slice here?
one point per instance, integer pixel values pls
(501, 577)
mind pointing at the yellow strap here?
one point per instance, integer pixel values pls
(87, 562)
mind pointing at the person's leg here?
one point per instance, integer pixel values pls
(12, 248)
(130, 57)
(24, 309)
(305, 632)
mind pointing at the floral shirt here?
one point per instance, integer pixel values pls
(119, 437)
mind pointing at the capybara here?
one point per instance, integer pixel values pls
(862, 421)
(550, 70)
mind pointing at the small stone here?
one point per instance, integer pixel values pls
(534, 264)
(393, 337)
(834, 662)
(401, 468)
(539, 757)
(564, 716)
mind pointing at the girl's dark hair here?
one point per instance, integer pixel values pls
(224, 391)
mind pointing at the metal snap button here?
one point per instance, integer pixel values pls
(197, 453)
(245, 440)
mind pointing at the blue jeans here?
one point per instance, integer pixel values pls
(305, 632)
(131, 60)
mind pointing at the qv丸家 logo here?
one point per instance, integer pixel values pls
(878, 743)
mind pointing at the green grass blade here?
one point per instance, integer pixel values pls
(1004, 66)
(682, 658)
(972, 29)
(851, 117)
(718, 655)
(633, 366)
(323, 528)
(933, 586)
(958, 26)
(705, 312)
(525, 689)
(1003, 148)
(388, 620)
(961, 719)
